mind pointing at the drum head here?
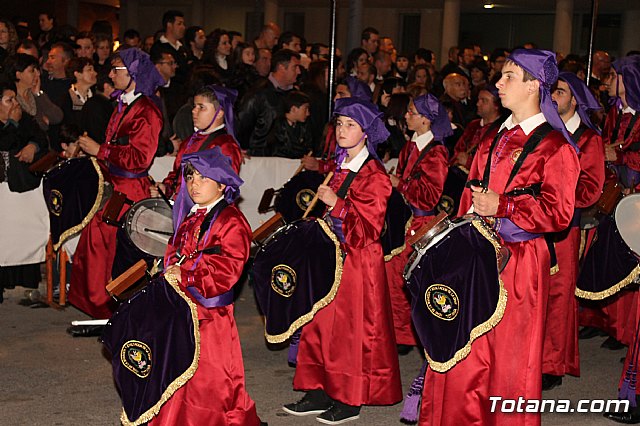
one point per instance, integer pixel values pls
(296, 195)
(626, 216)
(149, 225)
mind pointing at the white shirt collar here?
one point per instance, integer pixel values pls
(573, 123)
(629, 109)
(129, 97)
(176, 46)
(423, 140)
(356, 162)
(527, 126)
(212, 130)
(208, 207)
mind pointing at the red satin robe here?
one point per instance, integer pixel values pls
(348, 349)
(225, 141)
(561, 352)
(473, 134)
(616, 315)
(97, 246)
(216, 393)
(423, 193)
(507, 361)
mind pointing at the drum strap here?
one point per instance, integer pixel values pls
(534, 140)
(342, 191)
(627, 132)
(206, 223)
(579, 132)
(210, 137)
(124, 114)
(423, 153)
(496, 123)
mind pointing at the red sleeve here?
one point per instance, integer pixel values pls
(591, 178)
(552, 209)
(465, 139)
(326, 166)
(425, 192)
(365, 206)
(142, 125)
(218, 273)
(231, 149)
(476, 171)
(171, 181)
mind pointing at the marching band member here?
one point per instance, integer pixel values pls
(213, 121)
(561, 355)
(507, 360)
(132, 139)
(347, 354)
(205, 216)
(420, 176)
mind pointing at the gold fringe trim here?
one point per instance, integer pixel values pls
(306, 318)
(554, 269)
(396, 251)
(599, 295)
(184, 377)
(479, 330)
(96, 206)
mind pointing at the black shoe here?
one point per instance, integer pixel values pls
(590, 332)
(404, 349)
(612, 344)
(630, 418)
(85, 330)
(549, 381)
(339, 413)
(313, 402)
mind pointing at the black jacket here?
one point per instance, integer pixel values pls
(290, 141)
(14, 137)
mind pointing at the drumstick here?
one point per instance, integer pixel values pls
(301, 166)
(313, 202)
(160, 191)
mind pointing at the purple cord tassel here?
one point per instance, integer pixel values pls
(628, 388)
(292, 357)
(411, 407)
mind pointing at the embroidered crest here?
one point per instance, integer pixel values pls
(304, 197)
(446, 204)
(442, 302)
(55, 202)
(136, 357)
(283, 280)
(514, 155)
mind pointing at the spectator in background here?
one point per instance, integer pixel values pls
(290, 136)
(370, 40)
(217, 50)
(8, 38)
(56, 85)
(268, 36)
(420, 75)
(356, 58)
(367, 74)
(131, 38)
(456, 92)
(424, 56)
(496, 62)
(86, 45)
(243, 72)
(318, 51)
(263, 62)
(174, 28)
(28, 47)
(80, 71)
(47, 28)
(402, 66)
(171, 97)
(234, 38)
(148, 43)
(194, 39)
(104, 47)
(288, 40)
(95, 114)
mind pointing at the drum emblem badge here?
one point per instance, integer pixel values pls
(136, 357)
(283, 280)
(514, 155)
(442, 302)
(304, 197)
(55, 202)
(446, 204)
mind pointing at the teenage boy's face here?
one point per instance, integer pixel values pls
(511, 87)
(203, 112)
(300, 114)
(202, 190)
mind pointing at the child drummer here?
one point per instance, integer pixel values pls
(206, 256)
(347, 354)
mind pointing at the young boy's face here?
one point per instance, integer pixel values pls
(299, 114)
(203, 112)
(202, 190)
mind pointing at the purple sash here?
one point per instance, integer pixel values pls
(419, 212)
(337, 228)
(117, 171)
(224, 299)
(512, 233)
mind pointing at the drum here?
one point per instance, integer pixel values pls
(452, 191)
(154, 342)
(296, 272)
(457, 293)
(397, 221)
(612, 263)
(74, 191)
(611, 195)
(294, 197)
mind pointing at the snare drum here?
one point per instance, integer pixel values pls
(296, 272)
(294, 197)
(612, 262)
(457, 294)
(74, 191)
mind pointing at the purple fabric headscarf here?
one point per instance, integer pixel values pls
(358, 88)
(429, 106)
(142, 71)
(585, 100)
(542, 65)
(226, 97)
(629, 67)
(367, 115)
(214, 165)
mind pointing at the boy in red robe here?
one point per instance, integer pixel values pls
(347, 354)
(506, 362)
(132, 139)
(206, 256)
